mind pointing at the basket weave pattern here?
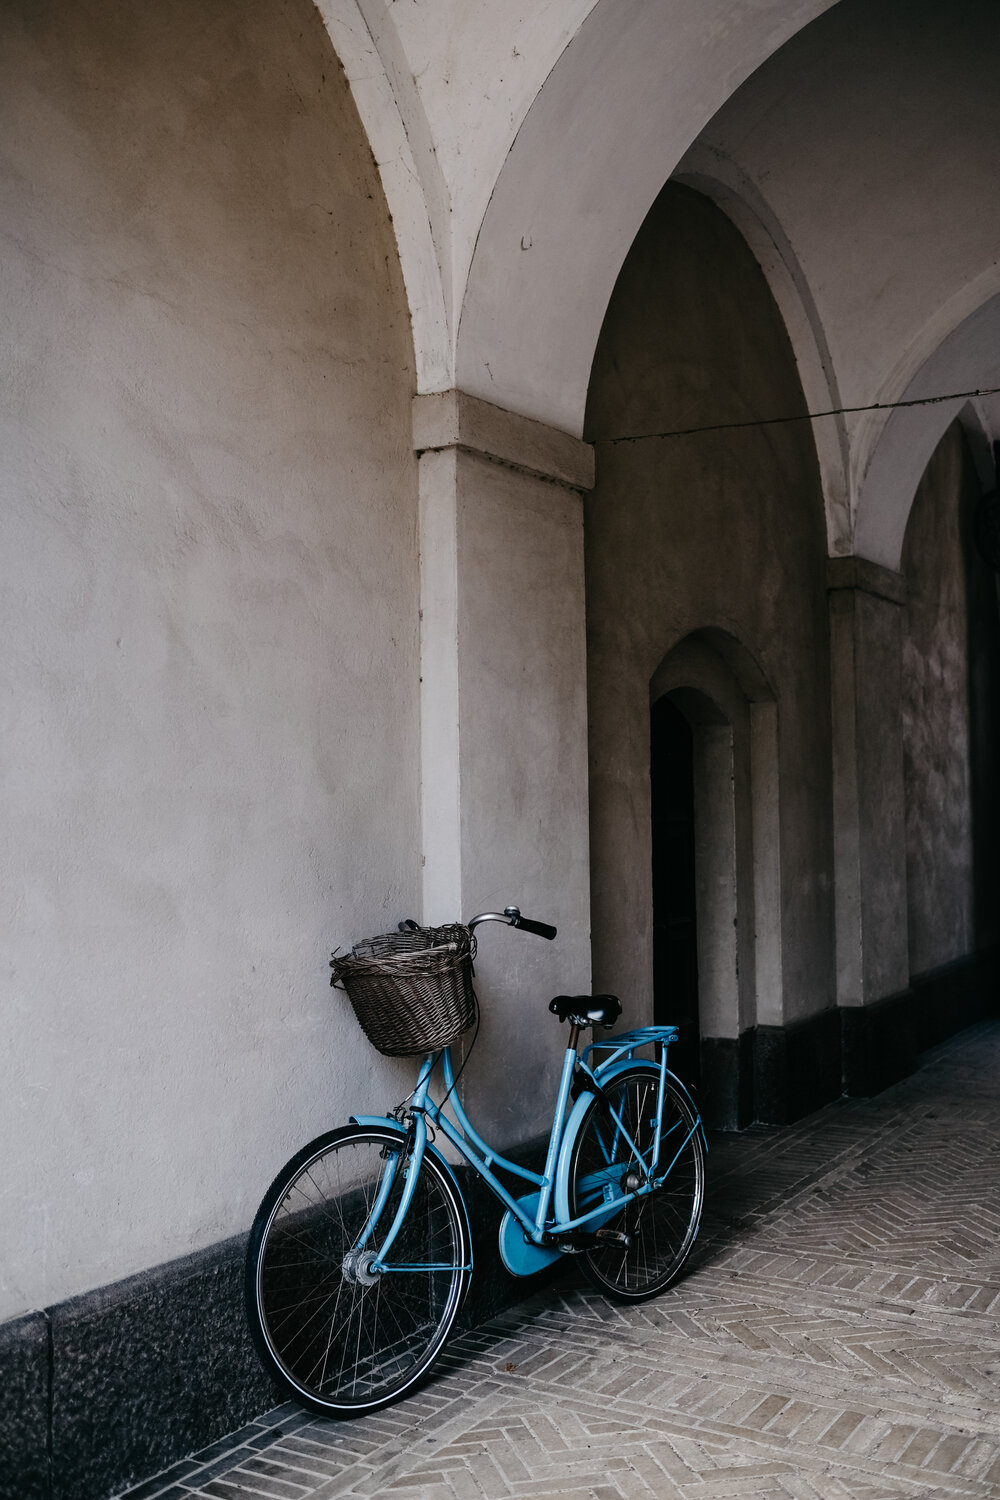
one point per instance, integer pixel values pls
(411, 991)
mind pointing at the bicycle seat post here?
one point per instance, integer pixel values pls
(574, 1035)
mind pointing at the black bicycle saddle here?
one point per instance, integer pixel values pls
(587, 1010)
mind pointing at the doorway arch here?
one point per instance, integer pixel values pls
(716, 883)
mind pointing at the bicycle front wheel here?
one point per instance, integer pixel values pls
(340, 1337)
(660, 1227)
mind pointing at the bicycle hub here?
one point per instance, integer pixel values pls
(357, 1267)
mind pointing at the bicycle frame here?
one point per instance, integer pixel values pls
(541, 1226)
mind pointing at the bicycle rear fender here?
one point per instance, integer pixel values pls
(385, 1122)
(603, 1076)
(611, 1070)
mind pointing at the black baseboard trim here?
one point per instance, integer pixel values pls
(796, 1068)
(956, 995)
(726, 1093)
(106, 1389)
(771, 1075)
(24, 1408)
(775, 1074)
(881, 1043)
(145, 1371)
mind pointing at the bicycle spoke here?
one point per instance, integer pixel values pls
(662, 1224)
(337, 1338)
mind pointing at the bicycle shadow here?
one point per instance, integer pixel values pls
(750, 1173)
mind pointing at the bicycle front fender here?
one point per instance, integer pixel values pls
(386, 1122)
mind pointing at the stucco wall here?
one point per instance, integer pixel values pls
(949, 717)
(524, 806)
(721, 529)
(209, 605)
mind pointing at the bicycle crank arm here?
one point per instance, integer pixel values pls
(575, 1241)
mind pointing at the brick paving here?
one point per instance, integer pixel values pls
(837, 1338)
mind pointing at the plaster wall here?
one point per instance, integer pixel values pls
(522, 687)
(719, 529)
(868, 801)
(209, 605)
(718, 907)
(949, 665)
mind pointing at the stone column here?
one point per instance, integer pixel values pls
(504, 725)
(869, 822)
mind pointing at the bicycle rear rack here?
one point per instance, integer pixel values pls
(625, 1044)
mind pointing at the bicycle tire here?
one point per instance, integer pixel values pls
(663, 1226)
(338, 1338)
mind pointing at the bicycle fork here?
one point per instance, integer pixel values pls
(364, 1265)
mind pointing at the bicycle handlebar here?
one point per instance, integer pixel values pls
(541, 929)
(512, 916)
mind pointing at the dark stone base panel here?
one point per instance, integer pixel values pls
(956, 996)
(796, 1068)
(881, 1042)
(772, 1074)
(148, 1369)
(777, 1074)
(726, 1095)
(24, 1408)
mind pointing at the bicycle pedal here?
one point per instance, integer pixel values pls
(613, 1237)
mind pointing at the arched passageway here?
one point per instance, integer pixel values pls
(706, 542)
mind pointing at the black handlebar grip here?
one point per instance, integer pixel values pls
(541, 929)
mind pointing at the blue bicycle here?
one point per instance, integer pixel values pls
(361, 1253)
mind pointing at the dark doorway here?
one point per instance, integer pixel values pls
(675, 945)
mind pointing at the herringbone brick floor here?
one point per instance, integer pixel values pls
(837, 1338)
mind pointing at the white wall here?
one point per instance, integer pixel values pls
(524, 829)
(209, 619)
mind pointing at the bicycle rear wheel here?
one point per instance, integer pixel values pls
(339, 1337)
(661, 1227)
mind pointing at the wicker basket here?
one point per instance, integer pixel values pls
(411, 991)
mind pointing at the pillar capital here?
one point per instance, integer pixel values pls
(453, 419)
(870, 577)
